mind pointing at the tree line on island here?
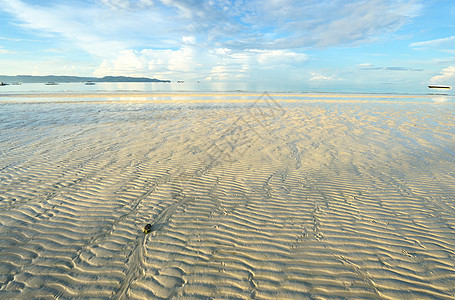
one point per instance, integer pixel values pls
(69, 79)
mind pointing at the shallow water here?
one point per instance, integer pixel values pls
(271, 196)
(221, 87)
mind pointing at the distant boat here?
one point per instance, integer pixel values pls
(439, 87)
(51, 83)
(2, 83)
(16, 83)
(89, 83)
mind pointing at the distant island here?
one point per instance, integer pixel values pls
(68, 79)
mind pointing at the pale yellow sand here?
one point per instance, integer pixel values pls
(309, 199)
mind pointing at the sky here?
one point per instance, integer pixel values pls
(382, 42)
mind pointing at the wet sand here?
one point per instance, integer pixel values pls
(261, 197)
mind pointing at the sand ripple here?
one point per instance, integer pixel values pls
(313, 199)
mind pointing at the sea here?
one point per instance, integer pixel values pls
(236, 88)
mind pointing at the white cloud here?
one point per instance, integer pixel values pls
(265, 24)
(44, 67)
(189, 40)
(222, 51)
(322, 77)
(447, 76)
(329, 23)
(63, 21)
(10, 39)
(181, 63)
(191, 62)
(127, 4)
(278, 57)
(435, 43)
(6, 51)
(215, 39)
(100, 30)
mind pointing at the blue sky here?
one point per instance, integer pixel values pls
(409, 42)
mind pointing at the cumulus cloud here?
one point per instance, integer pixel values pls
(252, 63)
(447, 76)
(183, 63)
(192, 62)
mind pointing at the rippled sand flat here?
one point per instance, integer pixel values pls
(261, 197)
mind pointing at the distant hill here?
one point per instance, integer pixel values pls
(67, 79)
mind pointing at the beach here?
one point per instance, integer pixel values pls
(249, 196)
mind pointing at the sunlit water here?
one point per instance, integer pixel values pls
(219, 91)
(292, 87)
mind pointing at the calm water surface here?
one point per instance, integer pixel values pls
(217, 91)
